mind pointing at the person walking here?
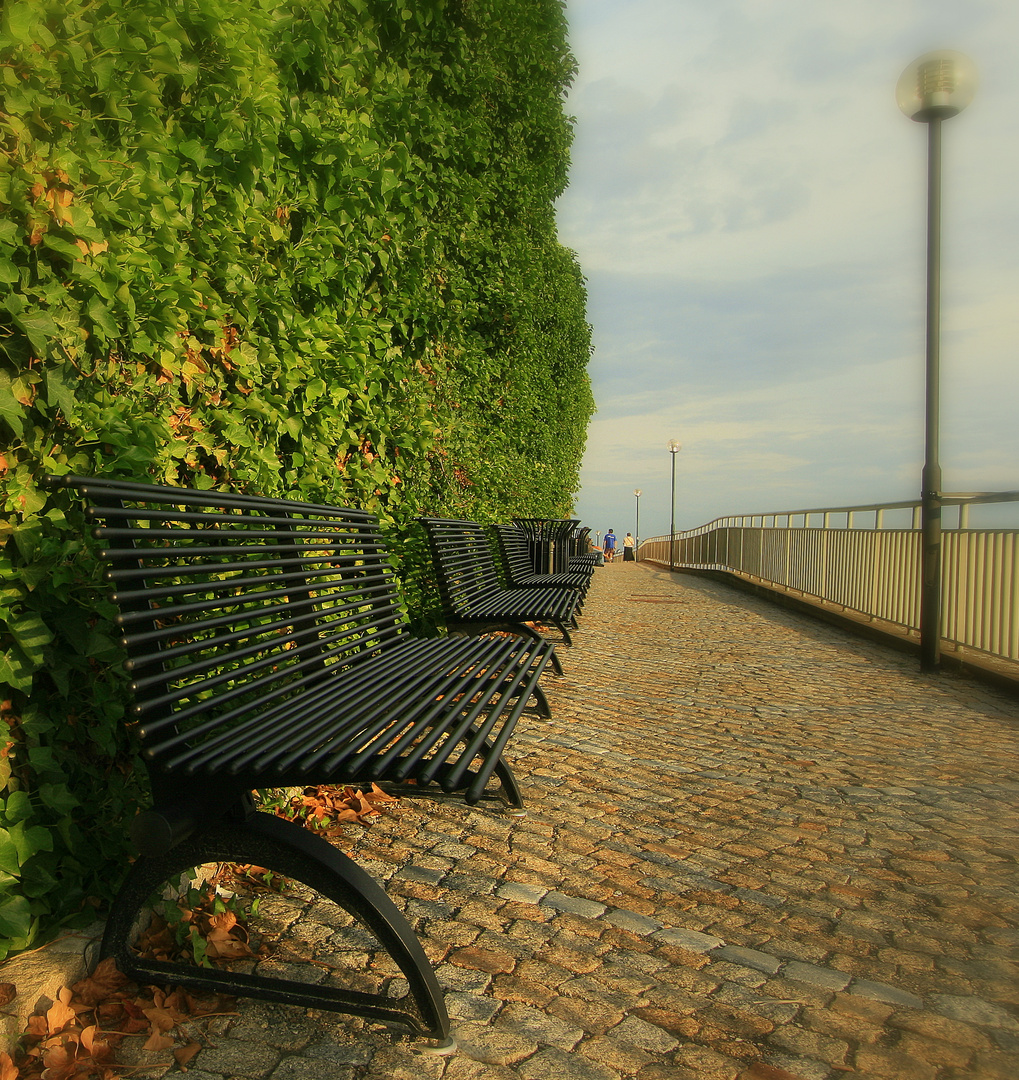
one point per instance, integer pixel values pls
(628, 549)
(610, 546)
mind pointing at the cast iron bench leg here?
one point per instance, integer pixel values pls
(291, 850)
(510, 790)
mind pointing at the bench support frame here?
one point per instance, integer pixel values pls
(291, 850)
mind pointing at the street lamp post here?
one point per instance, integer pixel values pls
(935, 87)
(636, 525)
(674, 449)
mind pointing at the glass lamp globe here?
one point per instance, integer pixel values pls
(936, 86)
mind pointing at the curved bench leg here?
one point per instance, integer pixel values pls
(291, 850)
(542, 706)
(510, 790)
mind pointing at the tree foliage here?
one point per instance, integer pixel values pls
(297, 247)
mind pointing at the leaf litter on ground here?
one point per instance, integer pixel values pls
(78, 1035)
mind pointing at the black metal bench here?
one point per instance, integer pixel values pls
(580, 555)
(548, 539)
(521, 572)
(473, 596)
(267, 648)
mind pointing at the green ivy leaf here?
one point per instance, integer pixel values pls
(17, 808)
(10, 863)
(16, 670)
(39, 328)
(19, 20)
(15, 920)
(32, 635)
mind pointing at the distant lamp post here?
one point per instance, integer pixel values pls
(636, 525)
(933, 88)
(674, 449)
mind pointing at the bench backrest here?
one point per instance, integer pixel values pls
(230, 604)
(549, 539)
(516, 550)
(580, 541)
(463, 556)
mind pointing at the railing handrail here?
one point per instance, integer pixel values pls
(948, 498)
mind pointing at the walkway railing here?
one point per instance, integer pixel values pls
(850, 558)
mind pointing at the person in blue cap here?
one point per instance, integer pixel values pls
(610, 546)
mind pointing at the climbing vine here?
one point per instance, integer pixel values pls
(298, 247)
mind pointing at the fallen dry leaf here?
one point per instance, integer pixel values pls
(60, 1013)
(182, 1055)
(157, 1042)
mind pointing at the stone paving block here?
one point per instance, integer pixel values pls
(594, 1018)
(788, 1067)
(889, 1064)
(633, 1031)
(707, 1064)
(730, 972)
(302, 1068)
(623, 1057)
(573, 904)
(283, 1027)
(527, 991)
(882, 992)
(826, 978)
(236, 1057)
(807, 1043)
(462, 979)
(471, 1006)
(973, 1010)
(935, 1052)
(545, 1028)
(749, 958)
(632, 921)
(554, 1064)
(689, 939)
(493, 1045)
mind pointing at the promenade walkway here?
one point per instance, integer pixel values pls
(757, 848)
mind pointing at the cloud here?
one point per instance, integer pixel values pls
(748, 141)
(747, 204)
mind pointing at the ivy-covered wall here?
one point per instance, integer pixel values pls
(298, 247)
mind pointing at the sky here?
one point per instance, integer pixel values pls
(748, 206)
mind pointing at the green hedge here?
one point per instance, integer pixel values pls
(298, 247)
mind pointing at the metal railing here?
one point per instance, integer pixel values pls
(849, 558)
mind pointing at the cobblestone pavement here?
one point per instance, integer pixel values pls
(757, 848)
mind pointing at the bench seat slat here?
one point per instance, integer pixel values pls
(253, 728)
(262, 662)
(404, 682)
(476, 698)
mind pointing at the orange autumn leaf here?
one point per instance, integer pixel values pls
(60, 1013)
(182, 1055)
(158, 1042)
(220, 945)
(160, 1018)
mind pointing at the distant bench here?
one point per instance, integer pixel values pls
(523, 574)
(267, 647)
(473, 596)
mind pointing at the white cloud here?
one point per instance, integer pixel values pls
(748, 205)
